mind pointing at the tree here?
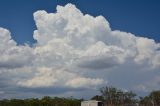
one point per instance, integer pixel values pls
(45, 101)
(145, 101)
(109, 94)
(129, 97)
(153, 99)
(97, 97)
(113, 96)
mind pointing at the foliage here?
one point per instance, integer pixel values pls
(98, 98)
(153, 99)
(45, 101)
(112, 96)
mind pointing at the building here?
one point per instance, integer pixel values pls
(92, 103)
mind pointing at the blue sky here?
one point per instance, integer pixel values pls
(140, 17)
(79, 46)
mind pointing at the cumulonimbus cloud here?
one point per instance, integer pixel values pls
(71, 50)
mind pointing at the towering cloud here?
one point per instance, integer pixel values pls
(77, 51)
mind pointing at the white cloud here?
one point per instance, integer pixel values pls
(70, 45)
(48, 77)
(13, 56)
(81, 82)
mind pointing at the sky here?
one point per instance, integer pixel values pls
(74, 47)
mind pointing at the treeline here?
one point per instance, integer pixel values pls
(111, 96)
(45, 101)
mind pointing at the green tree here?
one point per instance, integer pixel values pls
(97, 97)
(153, 99)
(115, 97)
